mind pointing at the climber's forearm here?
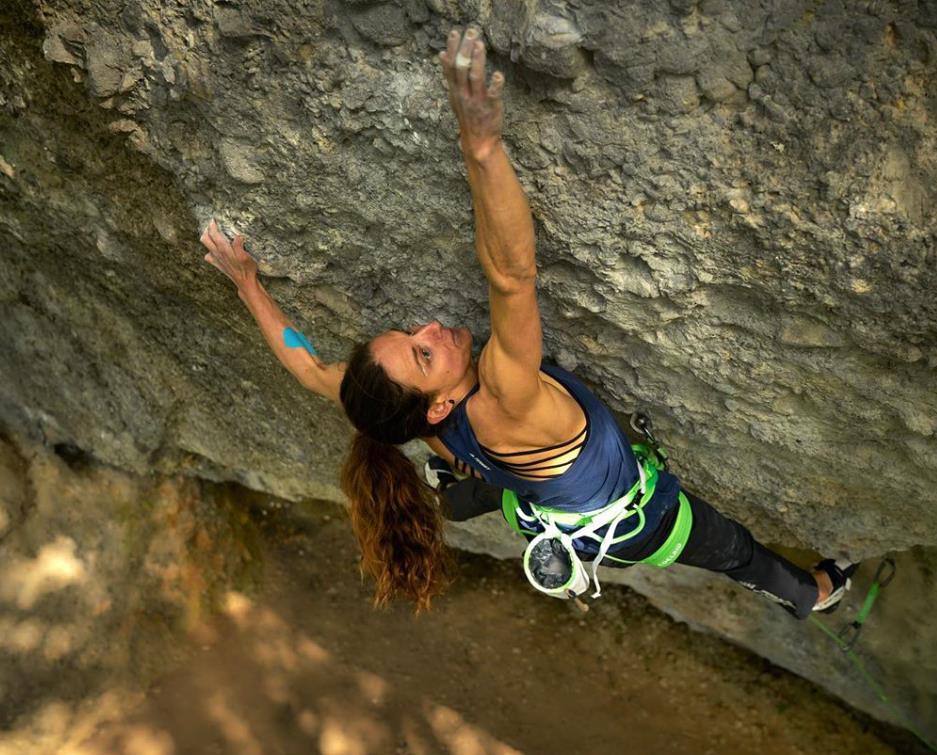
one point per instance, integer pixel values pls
(504, 229)
(288, 344)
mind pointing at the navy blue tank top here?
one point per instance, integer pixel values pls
(605, 469)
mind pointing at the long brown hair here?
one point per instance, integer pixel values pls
(393, 513)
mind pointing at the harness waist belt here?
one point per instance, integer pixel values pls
(676, 541)
(585, 524)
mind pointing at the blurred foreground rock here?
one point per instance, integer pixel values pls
(101, 574)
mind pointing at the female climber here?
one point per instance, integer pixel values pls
(517, 423)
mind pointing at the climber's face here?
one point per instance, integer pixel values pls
(430, 358)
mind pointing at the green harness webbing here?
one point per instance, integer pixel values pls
(651, 461)
(676, 541)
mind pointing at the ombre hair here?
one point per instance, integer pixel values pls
(394, 514)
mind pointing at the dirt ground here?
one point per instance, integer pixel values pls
(307, 666)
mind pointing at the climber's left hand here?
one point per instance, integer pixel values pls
(231, 258)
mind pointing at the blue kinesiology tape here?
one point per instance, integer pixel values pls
(296, 340)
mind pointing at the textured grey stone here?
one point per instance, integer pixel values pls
(506, 23)
(105, 69)
(755, 269)
(385, 24)
(552, 46)
(60, 46)
(238, 159)
(677, 94)
(714, 85)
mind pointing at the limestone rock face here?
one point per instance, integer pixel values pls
(734, 204)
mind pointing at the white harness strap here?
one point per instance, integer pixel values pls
(607, 543)
(611, 515)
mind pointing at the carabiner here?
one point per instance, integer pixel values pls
(849, 635)
(641, 423)
(887, 566)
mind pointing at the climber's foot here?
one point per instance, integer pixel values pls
(833, 580)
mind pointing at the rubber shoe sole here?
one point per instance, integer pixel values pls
(839, 572)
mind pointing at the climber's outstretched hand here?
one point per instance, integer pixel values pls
(477, 106)
(230, 258)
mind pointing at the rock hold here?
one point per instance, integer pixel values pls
(384, 24)
(238, 160)
(105, 67)
(552, 46)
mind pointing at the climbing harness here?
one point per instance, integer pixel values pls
(848, 636)
(550, 561)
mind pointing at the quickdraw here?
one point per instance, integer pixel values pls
(848, 636)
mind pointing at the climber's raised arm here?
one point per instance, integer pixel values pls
(288, 344)
(509, 367)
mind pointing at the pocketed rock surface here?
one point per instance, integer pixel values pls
(734, 208)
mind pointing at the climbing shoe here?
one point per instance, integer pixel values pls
(438, 474)
(839, 572)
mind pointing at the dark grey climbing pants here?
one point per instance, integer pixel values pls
(720, 544)
(716, 543)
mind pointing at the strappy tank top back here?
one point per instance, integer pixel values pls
(584, 473)
(531, 465)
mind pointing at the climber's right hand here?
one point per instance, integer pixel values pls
(230, 258)
(477, 107)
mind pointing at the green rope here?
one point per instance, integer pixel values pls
(870, 597)
(847, 648)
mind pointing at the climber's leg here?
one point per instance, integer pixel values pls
(720, 544)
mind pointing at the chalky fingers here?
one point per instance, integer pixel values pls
(463, 61)
(477, 70)
(447, 59)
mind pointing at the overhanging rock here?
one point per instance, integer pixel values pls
(735, 233)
